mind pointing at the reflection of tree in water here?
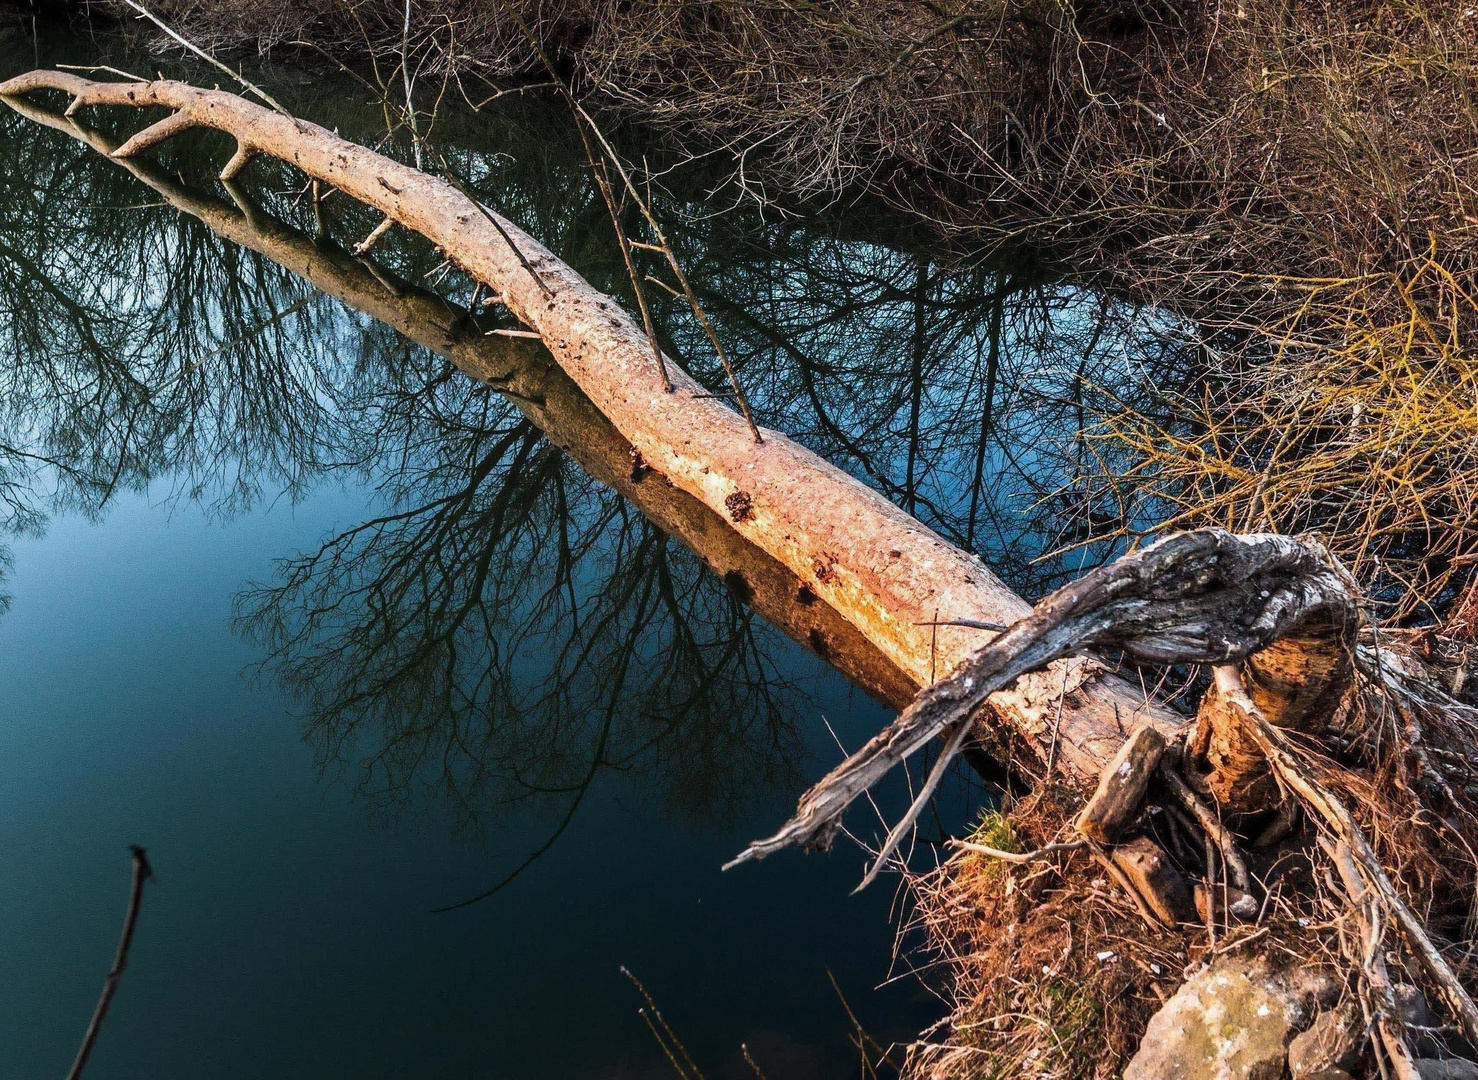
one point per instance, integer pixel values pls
(956, 392)
(506, 627)
(512, 627)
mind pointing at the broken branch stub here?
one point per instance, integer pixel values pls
(1197, 597)
(1122, 785)
(1297, 683)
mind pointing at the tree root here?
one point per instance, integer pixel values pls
(1335, 817)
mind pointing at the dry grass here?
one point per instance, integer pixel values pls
(1052, 973)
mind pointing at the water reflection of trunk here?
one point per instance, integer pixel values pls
(839, 316)
(528, 377)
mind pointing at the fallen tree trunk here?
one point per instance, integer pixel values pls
(882, 570)
(525, 373)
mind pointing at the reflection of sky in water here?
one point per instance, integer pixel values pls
(288, 936)
(213, 415)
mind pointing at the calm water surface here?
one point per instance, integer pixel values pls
(344, 636)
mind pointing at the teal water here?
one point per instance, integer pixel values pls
(341, 637)
(289, 935)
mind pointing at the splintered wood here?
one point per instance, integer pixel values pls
(1122, 785)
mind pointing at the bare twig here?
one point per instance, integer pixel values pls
(207, 57)
(936, 774)
(1019, 856)
(655, 1012)
(450, 177)
(602, 180)
(677, 270)
(142, 872)
(1215, 831)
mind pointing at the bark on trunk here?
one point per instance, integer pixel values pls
(523, 371)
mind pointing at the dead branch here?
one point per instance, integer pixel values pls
(1202, 597)
(1366, 908)
(1021, 857)
(142, 872)
(1215, 831)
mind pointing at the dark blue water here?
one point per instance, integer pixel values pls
(288, 935)
(341, 637)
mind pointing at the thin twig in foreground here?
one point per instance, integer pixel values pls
(450, 177)
(666, 249)
(1018, 856)
(142, 872)
(603, 182)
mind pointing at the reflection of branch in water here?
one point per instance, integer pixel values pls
(142, 872)
(422, 622)
(580, 790)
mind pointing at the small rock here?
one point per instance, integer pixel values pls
(1412, 1007)
(1238, 903)
(1334, 1041)
(1230, 1021)
(1448, 1069)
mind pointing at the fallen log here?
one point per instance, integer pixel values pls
(523, 371)
(883, 571)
